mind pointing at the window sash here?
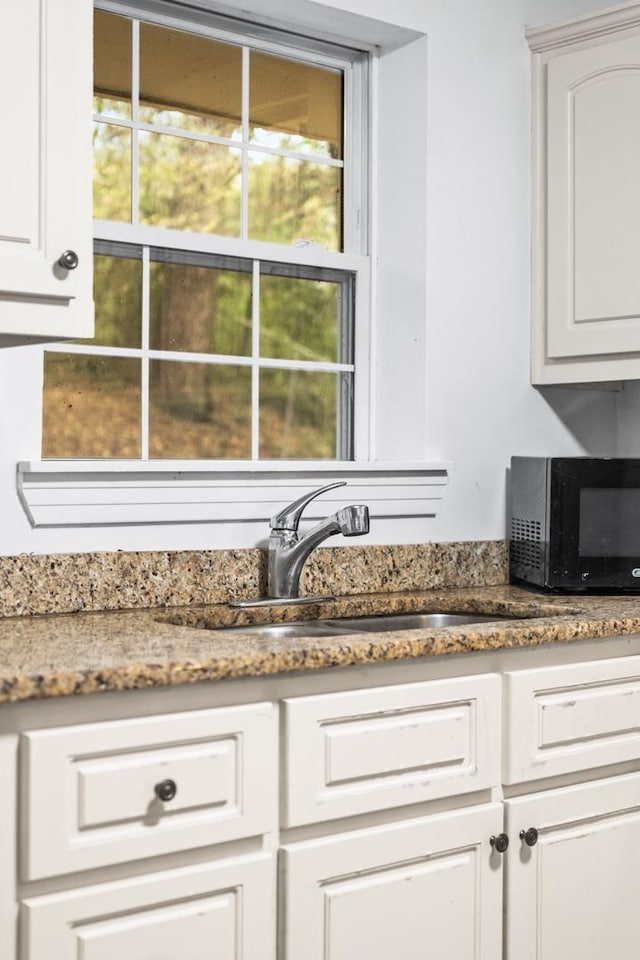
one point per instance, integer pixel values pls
(356, 106)
(343, 368)
(296, 260)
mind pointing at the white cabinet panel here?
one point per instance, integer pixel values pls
(350, 753)
(570, 718)
(91, 795)
(224, 910)
(576, 892)
(423, 888)
(593, 200)
(45, 168)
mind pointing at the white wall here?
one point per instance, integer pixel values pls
(473, 345)
(481, 408)
(628, 421)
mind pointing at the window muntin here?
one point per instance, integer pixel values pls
(213, 356)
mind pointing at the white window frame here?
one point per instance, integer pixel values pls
(97, 493)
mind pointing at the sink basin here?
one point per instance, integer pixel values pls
(287, 631)
(413, 621)
(341, 626)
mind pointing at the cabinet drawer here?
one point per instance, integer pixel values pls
(91, 791)
(570, 718)
(226, 910)
(350, 753)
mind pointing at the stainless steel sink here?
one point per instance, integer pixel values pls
(346, 625)
(286, 631)
(413, 621)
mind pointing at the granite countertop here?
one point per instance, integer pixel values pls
(81, 653)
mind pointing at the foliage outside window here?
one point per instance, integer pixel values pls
(207, 152)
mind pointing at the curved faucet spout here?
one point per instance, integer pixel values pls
(288, 552)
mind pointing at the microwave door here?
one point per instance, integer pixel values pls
(609, 534)
(599, 544)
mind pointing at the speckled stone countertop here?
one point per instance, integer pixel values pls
(32, 584)
(89, 652)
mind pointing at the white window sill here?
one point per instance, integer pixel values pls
(64, 493)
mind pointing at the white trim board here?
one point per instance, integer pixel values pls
(591, 26)
(65, 494)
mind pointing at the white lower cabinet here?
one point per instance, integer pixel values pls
(105, 793)
(575, 892)
(153, 837)
(225, 910)
(570, 718)
(428, 887)
(365, 750)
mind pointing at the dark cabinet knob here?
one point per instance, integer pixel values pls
(500, 843)
(530, 836)
(166, 790)
(68, 260)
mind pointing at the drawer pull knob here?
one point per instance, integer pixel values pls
(530, 836)
(166, 790)
(68, 260)
(500, 843)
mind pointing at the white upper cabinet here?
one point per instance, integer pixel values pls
(586, 311)
(594, 200)
(45, 169)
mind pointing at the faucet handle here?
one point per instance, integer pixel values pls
(289, 517)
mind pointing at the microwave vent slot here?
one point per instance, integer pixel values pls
(525, 548)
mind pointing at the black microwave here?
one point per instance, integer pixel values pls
(575, 523)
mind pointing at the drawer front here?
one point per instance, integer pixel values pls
(93, 792)
(351, 753)
(225, 910)
(570, 718)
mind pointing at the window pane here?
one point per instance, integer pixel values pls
(91, 406)
(190, 82)
(295, 106)
(299, 319)
(111, 172)
(199, 410)
(294, 199)
(117, 287)
(200, 309)
(189, 185)
(298, 415)
(111, 64)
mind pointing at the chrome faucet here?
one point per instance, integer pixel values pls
(288, 552)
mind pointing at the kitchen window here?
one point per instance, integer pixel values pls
(364, 275)
(231, 276)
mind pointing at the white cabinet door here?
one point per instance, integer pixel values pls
(576, 892)
(423, 888)
(593, 200)
(45, 168)
(224, 910)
